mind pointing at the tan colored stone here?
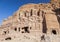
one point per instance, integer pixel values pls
(32, 23)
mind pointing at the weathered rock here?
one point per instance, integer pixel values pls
(33, 23)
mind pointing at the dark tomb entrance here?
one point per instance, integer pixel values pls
(26, 29)
(54, 32)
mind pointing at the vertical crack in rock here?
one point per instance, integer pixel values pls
(19, 16)
(25, 14)
(19, 29)
(31, 12)
(38, 13)
(44, 29)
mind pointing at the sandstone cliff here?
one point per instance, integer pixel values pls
(33, 23)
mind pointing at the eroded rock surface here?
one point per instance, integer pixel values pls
(33, 23)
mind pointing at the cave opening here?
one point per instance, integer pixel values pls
(54, 32)
(5, 32)
(15, 29)
(26, 29)
(8, 38)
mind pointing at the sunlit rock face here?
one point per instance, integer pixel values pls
(32, 23)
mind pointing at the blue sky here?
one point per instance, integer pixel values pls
(8, 7)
